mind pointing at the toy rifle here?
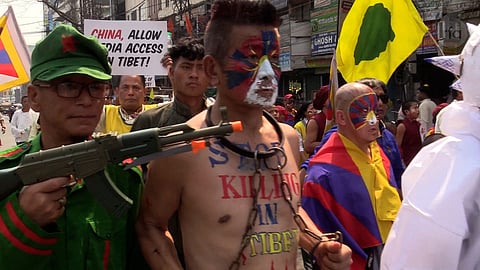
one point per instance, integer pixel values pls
(88, 159)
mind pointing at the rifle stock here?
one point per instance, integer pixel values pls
(88, 159)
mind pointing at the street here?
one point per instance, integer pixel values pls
(7, 138)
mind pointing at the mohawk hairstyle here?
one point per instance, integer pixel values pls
(227, 13)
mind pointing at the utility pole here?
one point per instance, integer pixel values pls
(76, 11)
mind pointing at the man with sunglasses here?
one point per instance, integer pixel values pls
(58, 224)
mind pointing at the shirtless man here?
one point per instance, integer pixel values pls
(224, 224)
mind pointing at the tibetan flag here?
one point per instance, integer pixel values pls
(14, 55)
(376, 37)
(346, 190)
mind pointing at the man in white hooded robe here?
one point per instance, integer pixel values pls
(438, 226)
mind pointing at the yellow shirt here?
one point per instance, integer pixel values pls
(384, 197)
(114, 121)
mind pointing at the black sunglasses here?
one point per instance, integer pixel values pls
(383, 98)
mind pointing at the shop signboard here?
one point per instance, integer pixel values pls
(430, 9)
(285, 61)
(428, 45)
(452, 34)
(324, 43)
(324, 22)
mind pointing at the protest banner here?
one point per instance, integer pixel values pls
(134, 47)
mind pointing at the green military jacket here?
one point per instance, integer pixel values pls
(171, 113)
(86, 236)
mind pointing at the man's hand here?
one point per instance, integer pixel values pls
(44, 202)
(167, 61)
(333, 255)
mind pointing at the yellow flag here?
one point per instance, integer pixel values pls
(14, 56)
(152, 94)
(376, 37)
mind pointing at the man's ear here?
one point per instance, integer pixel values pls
(341, 118)
(171, 74)
(210, 66)
(33, 96)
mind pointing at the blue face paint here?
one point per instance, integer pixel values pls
(362, 110)
(245, 62)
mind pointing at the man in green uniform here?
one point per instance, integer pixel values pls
(56, 224)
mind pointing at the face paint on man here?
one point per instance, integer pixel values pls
(254, 69)
(362, 111)
(263, 91)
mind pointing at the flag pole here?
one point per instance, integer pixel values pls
(436, 43)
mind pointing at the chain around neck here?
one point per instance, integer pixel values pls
(246, 153)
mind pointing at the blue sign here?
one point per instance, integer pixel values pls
(285, 61)
(324, 43)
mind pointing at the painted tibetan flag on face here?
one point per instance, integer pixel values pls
(376, 37)
(14, 56)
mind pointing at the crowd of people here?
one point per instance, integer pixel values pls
(349, 195)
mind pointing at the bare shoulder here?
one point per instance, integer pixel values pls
(168, 168)
(289, 132)
(198, 121)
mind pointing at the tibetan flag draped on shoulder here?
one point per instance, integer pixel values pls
(347, 191)
(376, 37)
(14, 56)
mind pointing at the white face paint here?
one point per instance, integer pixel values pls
(264, 89)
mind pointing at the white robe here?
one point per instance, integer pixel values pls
(438, 226)
(21, 124)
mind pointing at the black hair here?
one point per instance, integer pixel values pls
(425, 88)
(187, 47)
(117, 78)
(227, 13)
(407, 104)
(301, 111)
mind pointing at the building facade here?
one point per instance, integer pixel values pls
(309, 33)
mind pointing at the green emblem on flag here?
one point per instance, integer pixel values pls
(377, 20)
